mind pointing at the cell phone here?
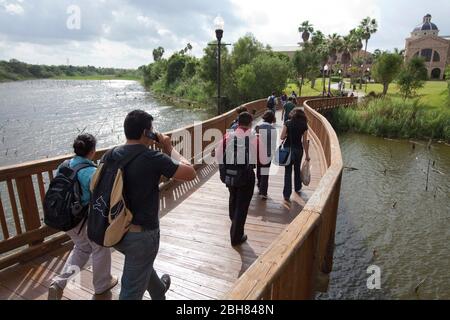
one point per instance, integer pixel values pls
(153, 136)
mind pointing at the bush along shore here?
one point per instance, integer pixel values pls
(394, 118)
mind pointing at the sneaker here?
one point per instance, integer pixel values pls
(264, 197)
(167, 281)
(112, 284)
(55, 292)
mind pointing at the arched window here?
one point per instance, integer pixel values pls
(436, 57)
(426, 54)
(436, 74)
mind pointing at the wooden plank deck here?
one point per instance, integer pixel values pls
(195, 246)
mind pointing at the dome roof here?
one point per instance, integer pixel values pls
(427, 25)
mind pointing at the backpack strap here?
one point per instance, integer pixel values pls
(80, 167)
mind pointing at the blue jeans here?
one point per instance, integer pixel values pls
(140, 250)
(296, 162)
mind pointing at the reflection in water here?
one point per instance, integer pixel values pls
(40, 118)
(386, 218)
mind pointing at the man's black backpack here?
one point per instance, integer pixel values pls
(271, 102)
(235, 174)
(63, 210)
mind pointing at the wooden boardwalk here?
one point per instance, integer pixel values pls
(195, 243)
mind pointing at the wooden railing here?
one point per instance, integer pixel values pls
(291, 266)
(23, 236)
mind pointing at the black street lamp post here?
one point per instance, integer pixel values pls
(219, 25)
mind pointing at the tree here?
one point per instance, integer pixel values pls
(412, 77)
(306, 29)
(246, 82)
(302, 63)
(271, 73)
(245, 50)
(335, 46)
(387, 68)
(158, 54)
(175, 67)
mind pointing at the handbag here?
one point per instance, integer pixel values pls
(283, 155)
(306, 173)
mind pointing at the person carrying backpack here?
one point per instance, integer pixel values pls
(272, 103)
(236, 155)
(74, 178)
(235, 123)
(267, 138)
(125, 203)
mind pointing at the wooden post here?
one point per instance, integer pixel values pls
(27, 198)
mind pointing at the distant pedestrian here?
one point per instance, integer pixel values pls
(272, 103)
(267, 139)
(295, 135)
(235, 123)
(294, 95)
(284, 99)
(288, 109)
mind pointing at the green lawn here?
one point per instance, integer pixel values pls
(306, 89)
(434, 94)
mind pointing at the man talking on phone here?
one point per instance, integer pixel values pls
(141, 190)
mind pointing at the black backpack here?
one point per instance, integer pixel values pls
(109, 218)
(63, 210)
(235, 175)
(271, 103)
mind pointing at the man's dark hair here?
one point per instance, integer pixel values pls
(136, 122)
(245, 119)
(84, 144)
(291, 99)
(240, 110)
(269, 117)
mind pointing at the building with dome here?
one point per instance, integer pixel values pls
(426, 42)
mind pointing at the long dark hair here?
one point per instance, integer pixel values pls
(84, 144)
(298, 115)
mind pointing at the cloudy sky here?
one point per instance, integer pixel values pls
(123, 33)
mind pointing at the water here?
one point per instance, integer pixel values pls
(41, 118)
(387, 219)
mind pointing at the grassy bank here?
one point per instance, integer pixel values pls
(393, 117)
(434, 94)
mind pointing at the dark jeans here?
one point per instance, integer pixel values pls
(140, 250)
(263, 179)
(240, 199)
(296, 161)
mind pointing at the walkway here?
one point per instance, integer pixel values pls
(195, 246)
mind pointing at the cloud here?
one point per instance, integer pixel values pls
(128, 30)
(12, 8)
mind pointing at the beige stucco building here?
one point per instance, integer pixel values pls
(426, 42)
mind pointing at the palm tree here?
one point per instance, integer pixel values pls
(306, 29)
(368, 27)
(335, 46)
(400, 52)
